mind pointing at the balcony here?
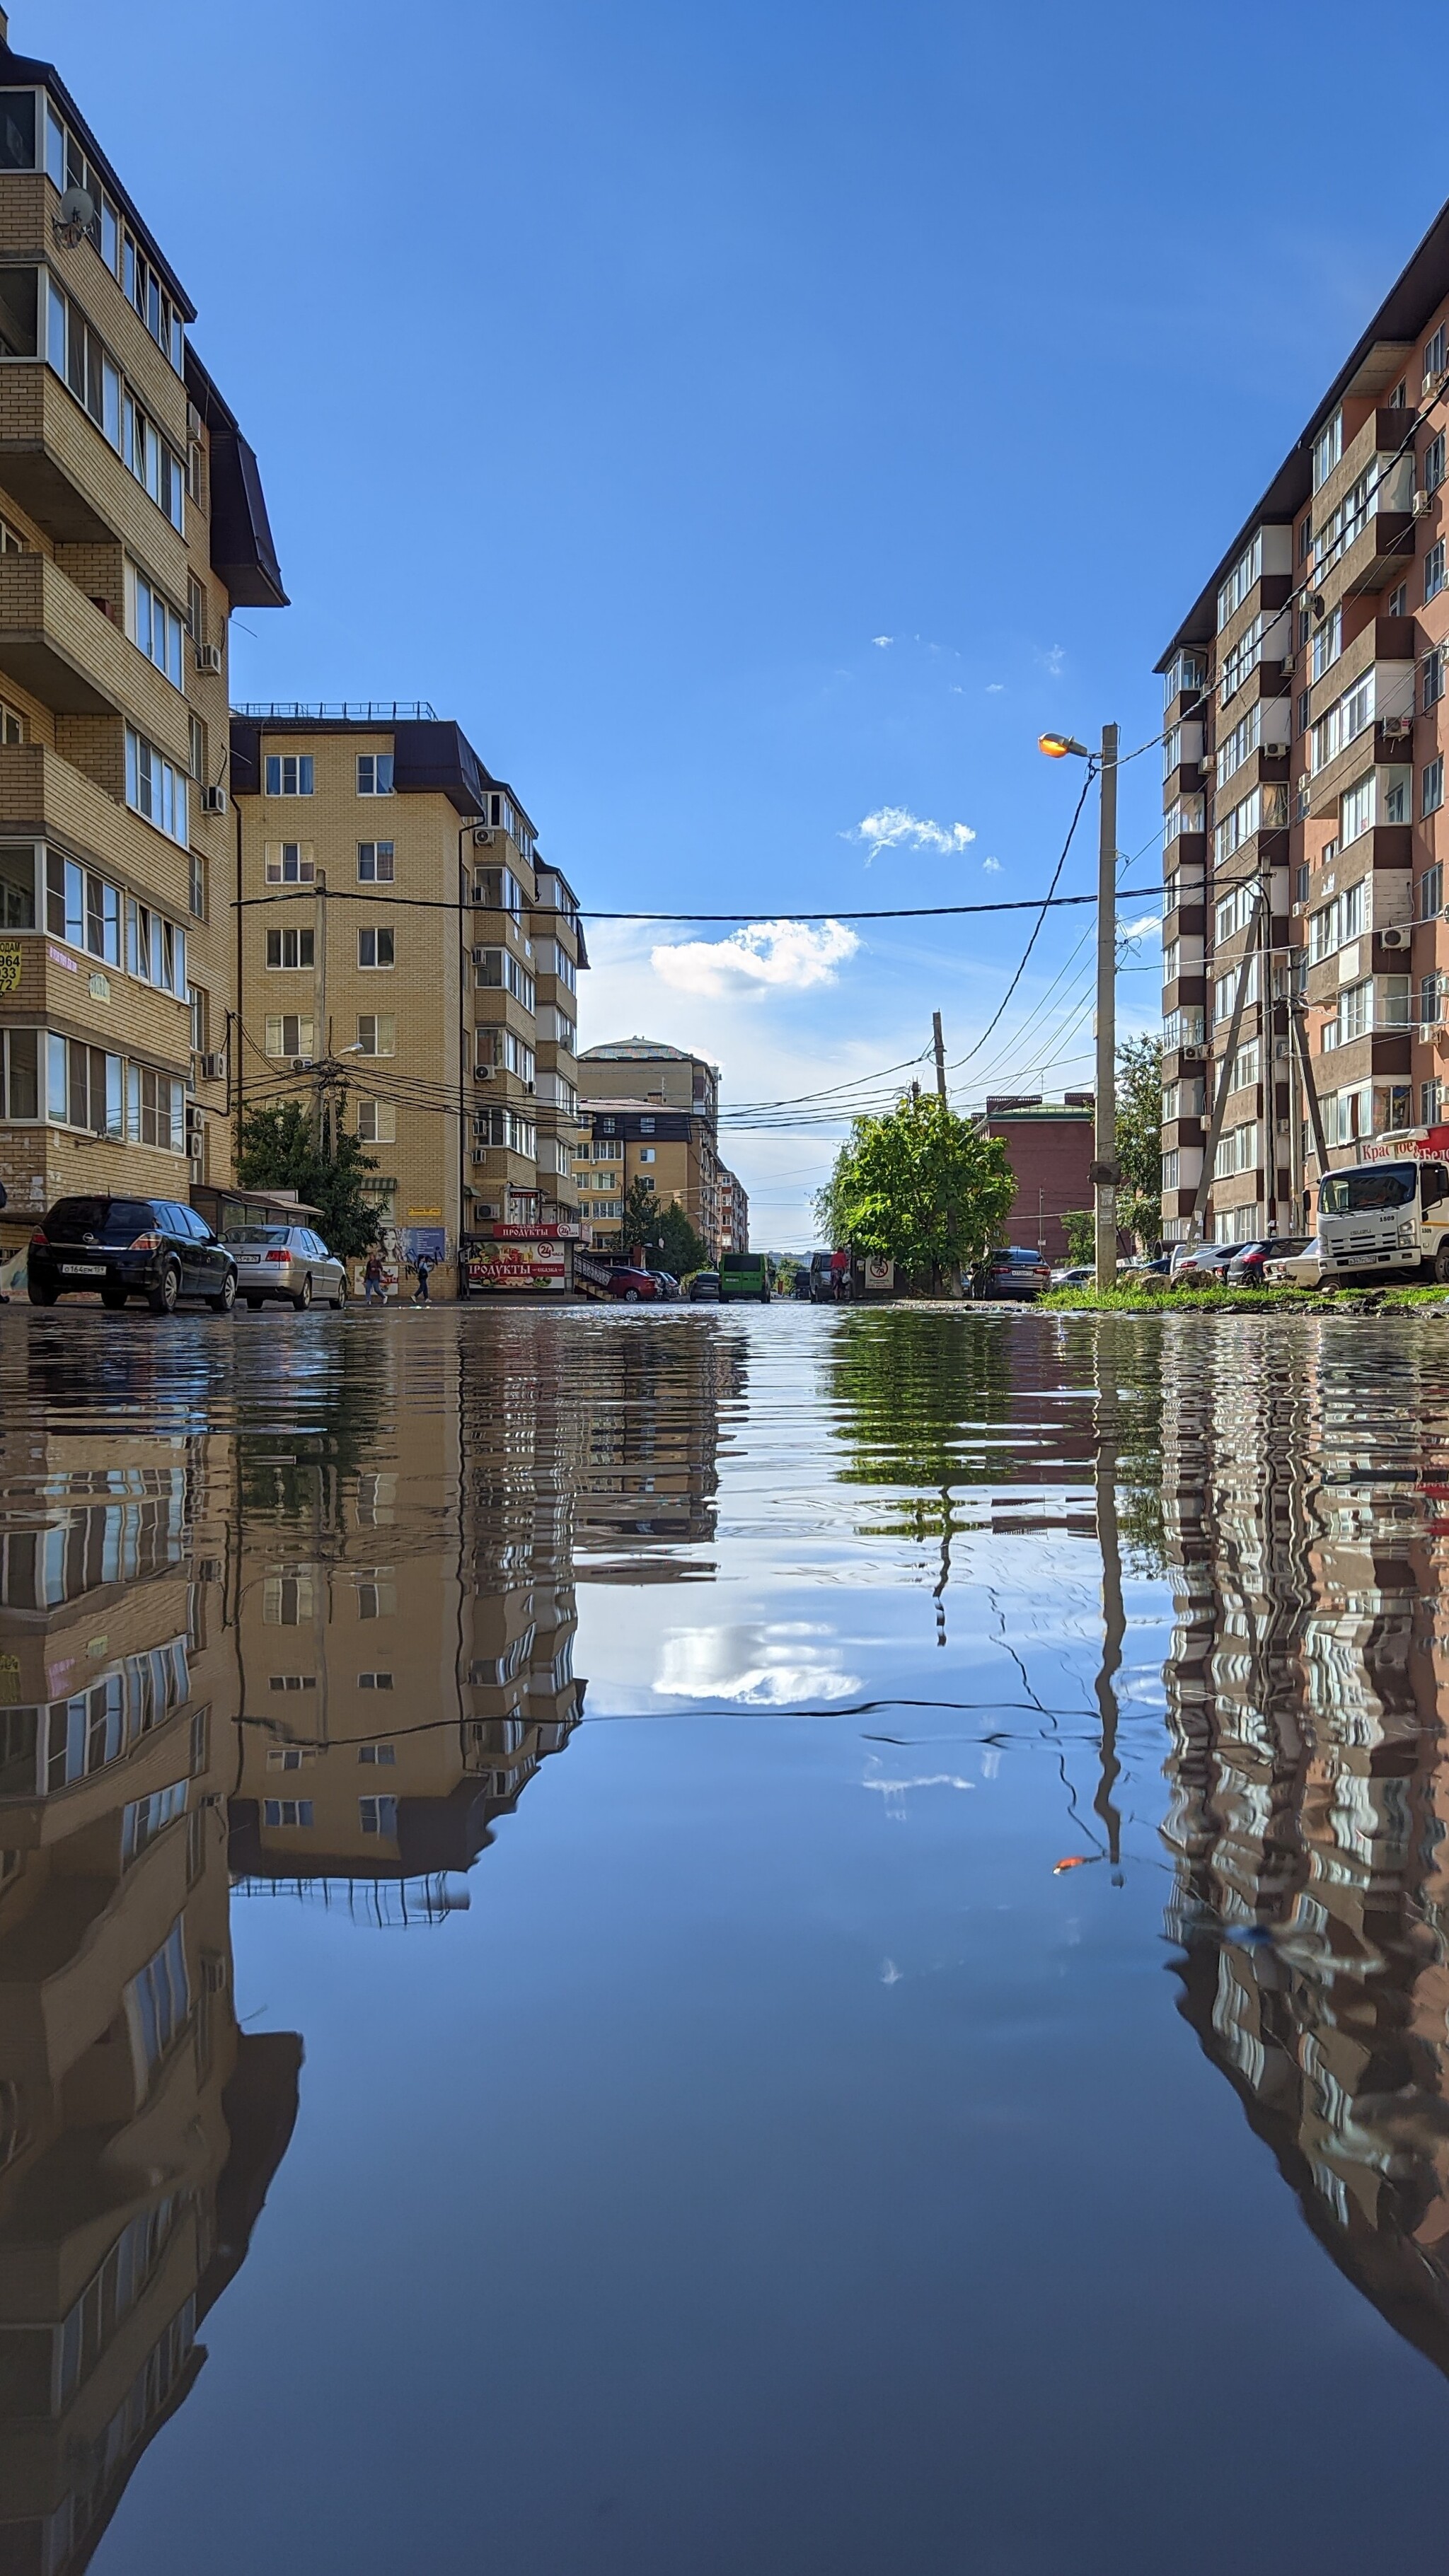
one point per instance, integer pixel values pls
(82, 996)
(1380, 640)
(67, 476)
(1386, 743)
(60, 647)
(1375, 547)
(42, 796)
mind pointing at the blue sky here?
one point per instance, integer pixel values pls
(622, 374)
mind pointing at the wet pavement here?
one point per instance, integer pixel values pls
(723, 1942)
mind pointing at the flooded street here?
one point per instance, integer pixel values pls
(699, 1943)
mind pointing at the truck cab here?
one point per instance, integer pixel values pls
(1389, 1216)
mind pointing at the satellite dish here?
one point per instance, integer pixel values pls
(77, 212)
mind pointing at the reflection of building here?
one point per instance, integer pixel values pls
(1310, 1795)
(650, 1114)
(138, 2128)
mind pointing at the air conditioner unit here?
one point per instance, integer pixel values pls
(213, 1068)
(1298, 911)
(193, 423)
(208, 658)
(213, 800)
(1191, 1054)
(1430, 383)
(1205, 767)
(1396, 728)
(1421, 503)
(482, 1072)
(483, 837)
(1395, 938)
(1280, 1048)
(301, 1064)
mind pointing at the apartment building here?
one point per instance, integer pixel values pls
(404, 941)
(131, 523)
(1305, 953)
(1050, 1147)
(650, 1113)
(734, 1213)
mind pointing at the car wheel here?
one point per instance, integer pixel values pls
(255, 1305)
(303, 1298)
(631, 1296)
(113, 1299)
(162, 1298)
(225, 1298)
(340, 1300)
(41, 1295)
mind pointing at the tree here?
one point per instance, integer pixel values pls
(1139, 1139)
(1081, 1234)
(925, 1188)
(663, 1229)
(276, 1149)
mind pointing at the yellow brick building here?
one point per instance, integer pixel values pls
(651, 1115)
(131, 522)
(402, 936)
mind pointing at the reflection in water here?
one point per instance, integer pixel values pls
(1309, 1785)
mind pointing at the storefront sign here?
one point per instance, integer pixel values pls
(1419, 1145)
(11, 954)
(517, 1265)
(535, 1234)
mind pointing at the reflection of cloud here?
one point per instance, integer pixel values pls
(894, 827)
(765, 1665)
(925, 1780)
(796, 954)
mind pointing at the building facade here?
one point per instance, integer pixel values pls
(734, 1213)
(634, 1079)
(131, 523)
(1305, 954)
(1050, 1147)
(406, 949)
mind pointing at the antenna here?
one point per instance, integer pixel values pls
(77, 214)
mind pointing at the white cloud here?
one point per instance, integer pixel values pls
(895, 827)
(768, 1664)
(995, 688)
(792, 954)
(1139, 929)
(1055, 661)
(992, 867)
(882, 640)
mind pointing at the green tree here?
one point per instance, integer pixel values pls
(1139, 1140)
(680, 1248)
(276, 1149)
(1081, 1234)
(922, 1186)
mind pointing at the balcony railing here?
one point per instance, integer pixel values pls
(377, 711)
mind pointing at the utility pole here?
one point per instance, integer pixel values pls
(1104, 1169)
(939, 1044)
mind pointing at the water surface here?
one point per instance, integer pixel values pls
(543, 2020)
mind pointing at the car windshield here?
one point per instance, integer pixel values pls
(109, 1220)
(1394, 1185)
(259, 1234)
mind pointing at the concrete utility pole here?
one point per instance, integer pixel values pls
(939, 1044)
(1104, 1169)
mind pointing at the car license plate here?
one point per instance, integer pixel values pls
(83, 1269)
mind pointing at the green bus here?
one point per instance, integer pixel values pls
(745, 1274)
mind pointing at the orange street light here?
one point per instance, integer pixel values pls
(1057, 745)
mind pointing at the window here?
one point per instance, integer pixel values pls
(1305, 538)
(377, 1122)
(1327, 643)
(1398, 602)
(292, 1681)
(159, 1999)
(377, 1815)
(1240, 580)
(197, 886)
(1395, 789)
(156, 788)
(374, 863)
(153, 624)
(644, 1183)
(374, 774)
(1245, 1067)
(506, 1053)
(81, 907)
(289, 1033)
(374, 947)
(1245, 656)
(1431, 786)
(1344, 721)
(605, 1208)
(1237, 1151)
(1434, 570)
(1434, 353)
(1266, 810)
(155, 949)
(153, 461)
(151, 300)
(294, 1813)
(554, 959)
(1170, 1166)
(375, 1681)
(498, 890)
(498, 970)
(145, 1818)
(290, 948)
(290, 863)
(646, 1153)
(1434, 463)
(1431, 1103)
(83, 1087)
(377, 1597)
(289, 773)
(155, 1109)
(1327, 450)
(377, 1033)
(1431, 893)
(197, 732)
(646, 1126)
(195, 609)
(607, 1153)
(19, 1073)
(1225, 990)
(1305, 709)
(1356, 809)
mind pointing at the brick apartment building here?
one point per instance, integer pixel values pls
(1303, 773)
(734, 1213)
(1049, 1144)
(132, 522)
(453, 1020)
(651, 1113)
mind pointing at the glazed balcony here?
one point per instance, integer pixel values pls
(56, 644)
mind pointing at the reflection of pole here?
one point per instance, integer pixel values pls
(938, 1044)
(1114, 1618)
(939, 1591)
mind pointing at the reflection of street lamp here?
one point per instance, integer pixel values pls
(1057, 746)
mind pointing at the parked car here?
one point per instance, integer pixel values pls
(288, 1264)
(634, 1286)
(1202, 1265)
(1157, 1269)
(1303, 1268)
(801, 1289)
(704, 1288)
(669, 1286)
(1249, 1268)
(1076, 1277)
(152, 1248)
(1015, 1271)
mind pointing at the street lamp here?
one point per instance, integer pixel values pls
(1104, 1172)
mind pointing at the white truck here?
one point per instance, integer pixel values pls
(1390, 1213)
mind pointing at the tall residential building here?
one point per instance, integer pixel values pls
(734, 1213)
(401, 934)
(1304, 778)
(131, 523)
(676, 1094)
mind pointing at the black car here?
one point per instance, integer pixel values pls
(152, 1248)
(1014, 1271)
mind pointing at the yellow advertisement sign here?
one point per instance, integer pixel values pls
(11, 954)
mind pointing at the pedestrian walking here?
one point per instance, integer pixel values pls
(374, 1285)
(424, 1269)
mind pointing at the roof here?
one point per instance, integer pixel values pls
(591, 1108)
(638, 1050)
(1418, 290)
(22, 71)
(242, 552)
(428, 758)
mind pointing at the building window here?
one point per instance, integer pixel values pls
(1396, 789)
(1434, 570)
(83, 1087)
(1327, 643)
(1433, 679)
(289, 1033)
(1431, 786)
(156, 788)
(198, 750)
(1431, 1000)
(498, 970)
(1434, 353)
(646, 1153)
(159, 1999)
(195, 610)
(200, 1001)
(1170, 1168)
(289, 773)
(155, 949)
(1399, 601)
(374, 947)
(154, 625)
(19, 1073)
(374, 773)
(198, 886)
(377, 1122)
(290, 948)
(377, 1815)
(377, 1033)
(295, 1813)
(290, 863)
(1240, 580)
(1434, 463)
(1431, 1103)
(1327, 449)
(1356, 809)
(1431, 894)
(646, 1126)
(374, 863)
(156, 1109)
(80, 907)
(1305, 709)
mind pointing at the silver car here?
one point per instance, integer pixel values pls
(287, 1262)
